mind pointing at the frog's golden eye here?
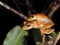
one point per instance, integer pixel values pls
(32, 16)
(28, 25)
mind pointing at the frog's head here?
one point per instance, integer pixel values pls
(36, 17)
(27, 25)
(32, 17)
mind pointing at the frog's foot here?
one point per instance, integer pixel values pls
(47, 30)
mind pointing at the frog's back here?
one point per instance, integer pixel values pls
(42, 17)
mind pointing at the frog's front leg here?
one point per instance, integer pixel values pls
(43, 36)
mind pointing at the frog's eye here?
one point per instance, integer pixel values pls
(32, 16)
(28, 25)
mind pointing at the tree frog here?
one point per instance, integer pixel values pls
(35, 24)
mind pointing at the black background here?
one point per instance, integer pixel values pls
(8, 19)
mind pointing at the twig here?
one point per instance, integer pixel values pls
(14, 1)
(49, 7)
(13, 10)
(57, 39)
(43, 39)
(30, 6)
(45, 12)
(51, 37)
(53, 9)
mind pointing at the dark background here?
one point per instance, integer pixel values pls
(8, 19)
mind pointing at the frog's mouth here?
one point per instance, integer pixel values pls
(27, 28)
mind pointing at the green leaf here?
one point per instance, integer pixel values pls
(15, 36)
(37, 36)
(53, 34)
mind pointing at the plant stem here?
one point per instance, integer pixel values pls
(57, 39)
(13, 10)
